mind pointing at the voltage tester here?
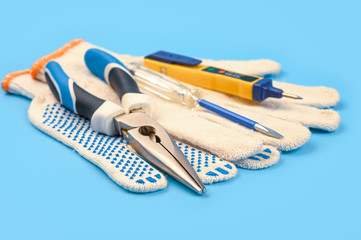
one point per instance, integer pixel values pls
(190, 70)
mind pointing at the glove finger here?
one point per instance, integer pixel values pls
(321, 97)
(323, 119)
(20, 83)
(260, 67)
(268, 157)
(209, 168)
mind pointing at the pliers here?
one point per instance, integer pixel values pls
(145, 135)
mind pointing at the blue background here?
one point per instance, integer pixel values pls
(49, 192)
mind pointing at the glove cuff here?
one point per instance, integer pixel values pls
(41, 62)
(10, 77)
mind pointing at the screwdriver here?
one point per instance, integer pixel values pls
(190, 70)
(170, 89)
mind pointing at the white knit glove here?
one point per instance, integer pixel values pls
(112, 154)
(215, 134)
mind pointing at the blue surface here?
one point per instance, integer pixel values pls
(48, 192)
(60, 82)
(264, 89)
(97, 60)
(227, 113)
(173, 58)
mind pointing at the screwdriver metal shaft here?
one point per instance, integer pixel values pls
(238, 118)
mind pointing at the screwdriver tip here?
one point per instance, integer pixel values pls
(290, 95)
(269, 132)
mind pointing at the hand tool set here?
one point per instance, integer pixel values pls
(126, 132)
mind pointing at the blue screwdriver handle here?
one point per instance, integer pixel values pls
(69, 94)
(227, 114)
(111, 70)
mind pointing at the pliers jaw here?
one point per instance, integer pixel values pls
(153, 143)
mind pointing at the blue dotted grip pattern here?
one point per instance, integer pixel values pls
(268, 157)
(123, 166)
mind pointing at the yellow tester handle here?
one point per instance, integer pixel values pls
(208, 77)
(191, 70)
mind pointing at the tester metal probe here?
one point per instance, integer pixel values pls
(170, 89)
(146, 136)
(190, 70)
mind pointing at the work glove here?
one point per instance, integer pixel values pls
(253, 153)
(213, 133)
(111, 154)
